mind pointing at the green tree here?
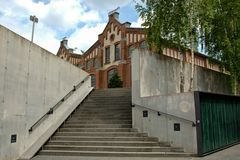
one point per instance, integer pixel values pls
(222, 36)
(115, 82)
(215, 24)
(171, 23)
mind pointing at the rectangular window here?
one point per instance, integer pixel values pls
(107, 55)
(94, 65)
(88, 65)
(117, 52)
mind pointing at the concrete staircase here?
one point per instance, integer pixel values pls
(102, 126)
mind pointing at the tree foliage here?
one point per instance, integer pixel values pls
(115, 82)
(171, 23)
(222, 36)
(168, 23)
(215, 24)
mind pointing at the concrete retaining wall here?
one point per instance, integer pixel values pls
(160, 75)
(32, 80)
(156, 88)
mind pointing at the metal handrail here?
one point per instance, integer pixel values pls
(51, 110)
(169, 115)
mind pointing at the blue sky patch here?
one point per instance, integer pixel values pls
(128, 13)
(44, 1)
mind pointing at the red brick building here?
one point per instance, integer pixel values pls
(111, 53)
(67, 54)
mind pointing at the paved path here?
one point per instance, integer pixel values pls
(232, 153)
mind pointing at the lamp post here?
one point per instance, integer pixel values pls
(34, 19)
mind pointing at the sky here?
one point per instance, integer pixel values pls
(80, 21)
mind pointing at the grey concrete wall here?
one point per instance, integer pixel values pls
(160, 75)
(156, 88)
(162, 127)
(32, 80)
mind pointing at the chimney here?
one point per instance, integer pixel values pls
(114, 14)
(70, 50)
(64, 42)
(127, 24)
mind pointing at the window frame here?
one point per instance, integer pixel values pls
(115, 51)
(107, 55)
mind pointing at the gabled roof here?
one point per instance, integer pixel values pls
(92, 47)
(109, 22)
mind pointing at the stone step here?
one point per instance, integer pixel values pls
(106, 114)
(124, 114)
(101, 119)
(97, 129)
(101, 138)
(113, 90)
(112, 148)
(97, 126)
(109, 95)
(106, 104)
(102, 110)
(70, 121)
(122, 92)
(112, 95)
(114, 154)
(102, 134)
(104, 143)
(104, 100)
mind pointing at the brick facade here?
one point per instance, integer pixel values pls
(112, 51)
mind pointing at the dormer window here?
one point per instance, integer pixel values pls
(112, 37)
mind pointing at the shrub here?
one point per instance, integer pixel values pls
(115, 82)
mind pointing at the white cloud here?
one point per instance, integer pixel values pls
(60, 14)
(84, 37)
(107, 5)
(138, 23)
(54, 17)
(58, 18)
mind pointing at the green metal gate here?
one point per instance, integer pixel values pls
(218, 118)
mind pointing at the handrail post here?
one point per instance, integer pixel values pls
(50, 111)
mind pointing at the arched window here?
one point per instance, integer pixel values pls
(111, 73)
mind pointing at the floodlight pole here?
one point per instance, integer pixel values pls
(34, 19)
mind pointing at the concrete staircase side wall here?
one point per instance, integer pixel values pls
(32, 80)
(152, 94)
